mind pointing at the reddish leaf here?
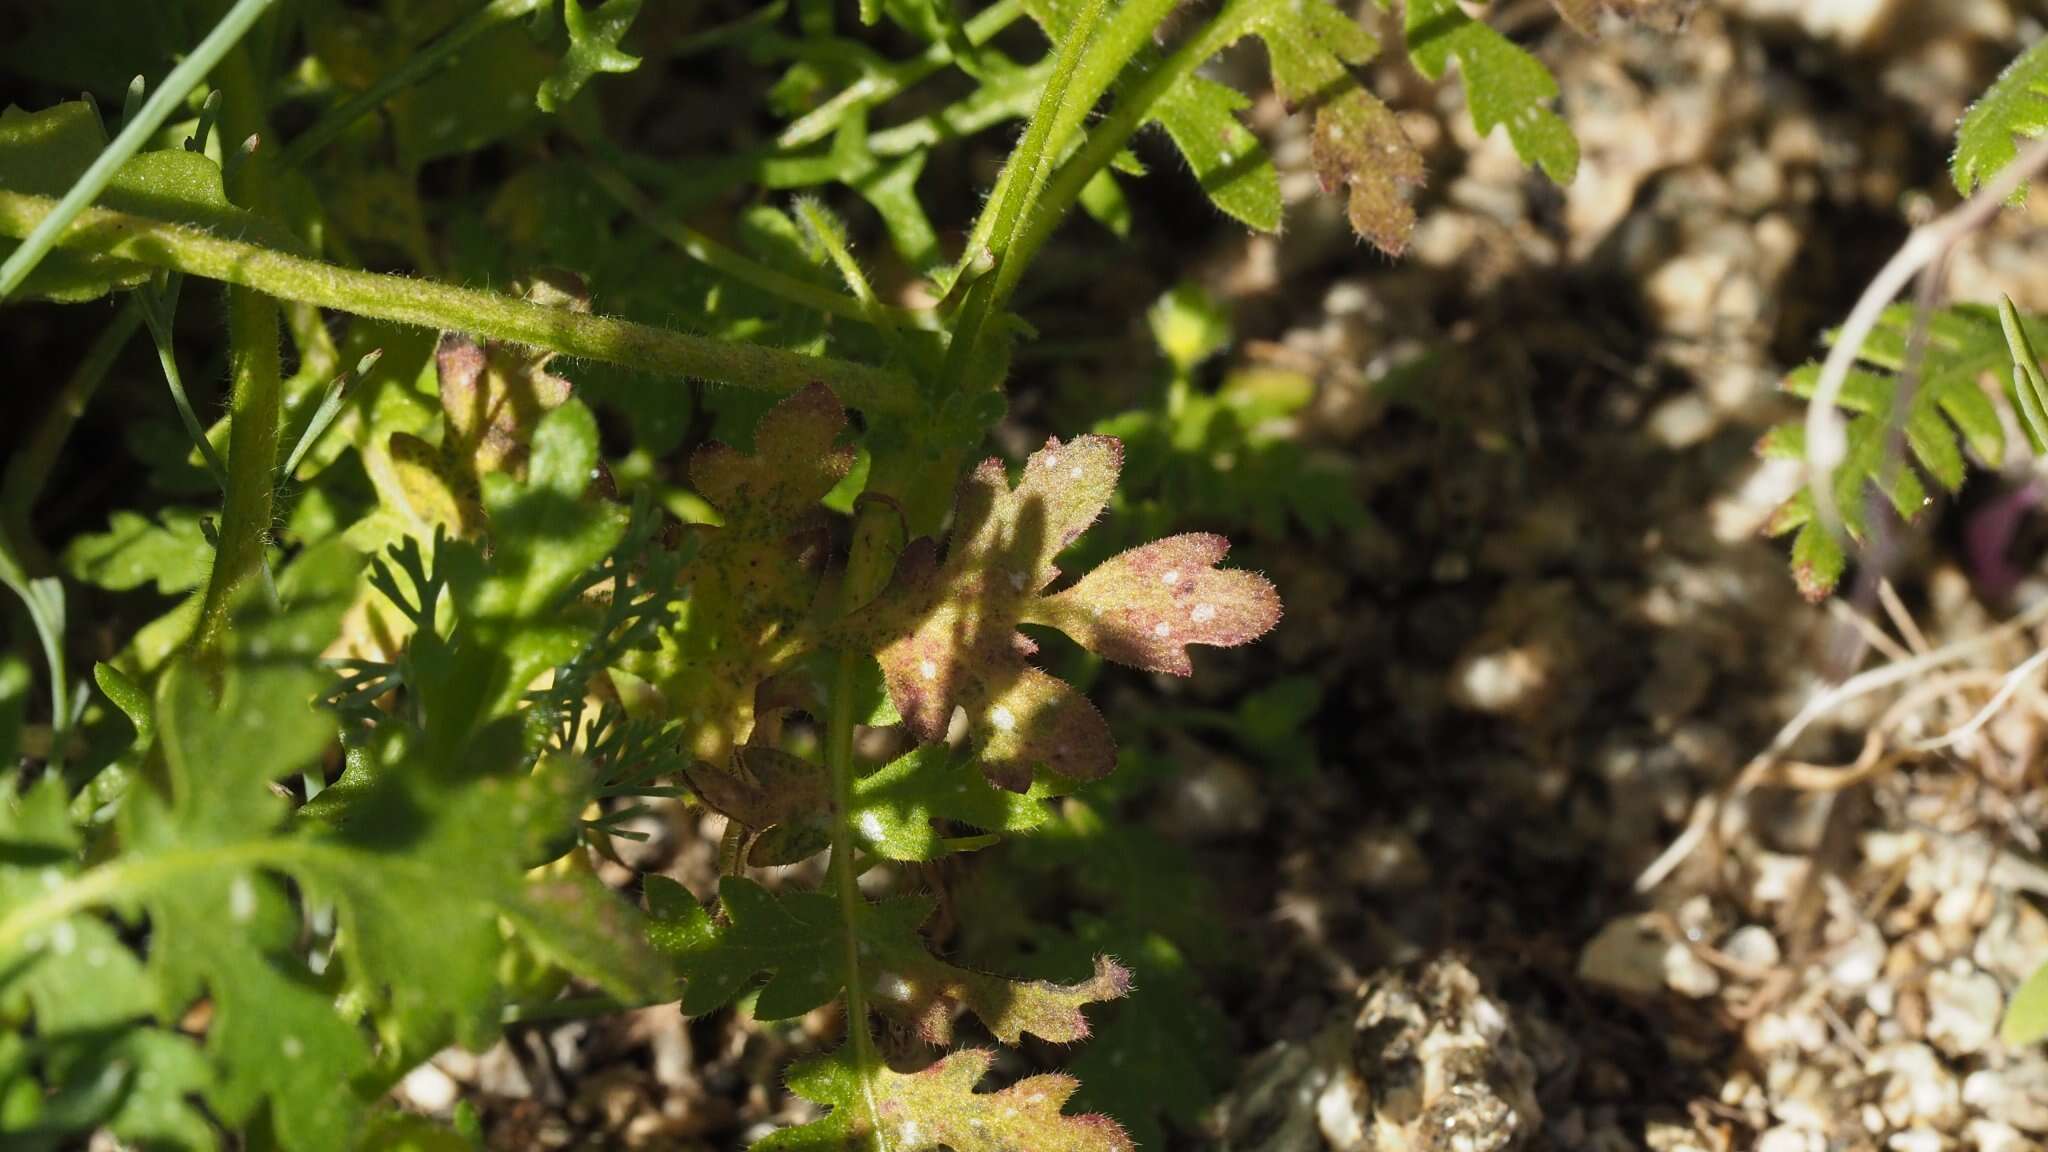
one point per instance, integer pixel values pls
(923, 990)
(946, 632)
(494, 395)
(1145, 606)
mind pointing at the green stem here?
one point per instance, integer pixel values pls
(159, 311)
(1125, 34)
(1016, 189)
(881, 86)
(831, 236)
(710, 253)
(424, 304)
(1130, 114)
(417, 67)
(252, 458)
(867, 1062)
(187, 75)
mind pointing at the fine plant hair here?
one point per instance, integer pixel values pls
(432, 648)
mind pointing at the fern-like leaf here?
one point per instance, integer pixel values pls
(1950, 411)
(2015, 107)
(1504, 85)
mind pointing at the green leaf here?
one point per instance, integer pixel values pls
(939, 1108)
(171, 553)
(593, 49)
(799, 939)
(2015, 107)
(485, 94)
(1967, 346)
(1200, 116)
(2026, 1017)
(894, 805)
(1230, 163)
(796, 939)
(1104, 202)
(1504, 85)
(1189, 326)
(420, 867)
(1356, 142)
(43, 153)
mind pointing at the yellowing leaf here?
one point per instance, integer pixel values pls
(939, 1108)
(1357, 144)
(753, 578)
(946, 635)
(494, 395)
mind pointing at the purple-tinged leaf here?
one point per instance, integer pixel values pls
(945, 632)
(1145, 606)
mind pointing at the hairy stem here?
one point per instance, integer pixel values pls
(883, 85)
(703, 249)
(1131, 112)
(252, 458)
(839, 760)
(403, 300)
(1127, 32)
(1016, 189)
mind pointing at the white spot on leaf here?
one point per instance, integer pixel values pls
(1203, 613)
(1004, 719)
(241, 900)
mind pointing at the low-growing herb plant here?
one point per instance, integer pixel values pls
(1951, 352)
(431, 642)
(1924, 394)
